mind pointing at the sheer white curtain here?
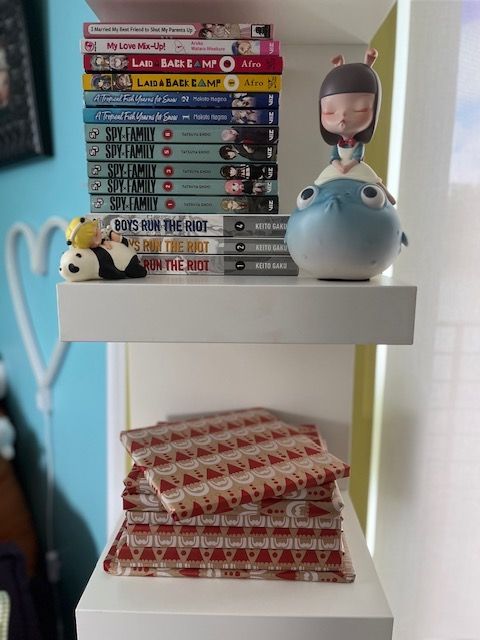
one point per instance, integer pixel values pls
(427, 542)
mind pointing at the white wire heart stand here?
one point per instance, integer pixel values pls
(45, 374)
(38, 245)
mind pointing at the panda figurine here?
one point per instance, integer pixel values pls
(96, 254)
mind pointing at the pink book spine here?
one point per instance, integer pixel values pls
(182, 30)
(157, 63)
(182, 47)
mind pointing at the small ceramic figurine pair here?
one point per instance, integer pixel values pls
(345, 226)
(95, 253)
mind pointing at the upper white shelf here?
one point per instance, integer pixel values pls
(296, 21)
(182, 608)
(237, 309)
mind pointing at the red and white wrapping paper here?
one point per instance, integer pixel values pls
(120, 561)
(213, 465)
(229, 520)
(135, 482)
(267, 507)
(233, 537)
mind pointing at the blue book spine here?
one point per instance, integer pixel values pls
(181, 116)
(181, 100)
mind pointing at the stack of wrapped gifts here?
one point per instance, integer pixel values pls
(241, 494)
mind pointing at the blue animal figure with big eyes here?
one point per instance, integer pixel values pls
(344, 229)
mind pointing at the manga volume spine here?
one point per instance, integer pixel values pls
(183, 170)
(197, 188)
(181, 133)
(171, 63)
(229, 226)
(182, 82)
(178, 31)
(235, 153)
(93, 115)
(219, 265)
(223, 246)
(183, 47)
(207, 205)
(187, 100)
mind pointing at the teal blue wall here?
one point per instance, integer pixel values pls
(31, 192)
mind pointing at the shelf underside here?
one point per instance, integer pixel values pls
(296, 22)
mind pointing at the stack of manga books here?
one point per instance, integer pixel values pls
(181, 128)
(240, 494)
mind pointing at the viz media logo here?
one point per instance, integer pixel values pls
(168, 171)
(260, 31)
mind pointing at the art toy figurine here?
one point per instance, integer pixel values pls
(345, 225)
(96, 253)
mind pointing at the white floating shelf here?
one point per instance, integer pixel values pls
(182, 608)
(296, 21)
(237, 309)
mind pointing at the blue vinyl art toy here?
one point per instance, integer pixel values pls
(345, 226)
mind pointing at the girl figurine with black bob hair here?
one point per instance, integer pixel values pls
(349, 104)
(345, 226)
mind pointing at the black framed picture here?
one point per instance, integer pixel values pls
(23, 125)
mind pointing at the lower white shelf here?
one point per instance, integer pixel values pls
(123, 608)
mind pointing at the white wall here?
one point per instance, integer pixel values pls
(428, 515)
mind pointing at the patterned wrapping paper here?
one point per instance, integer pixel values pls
(219, 558)
(115, 565)
(135, 483)
(233, 537)
(267, 507)
(157, 518)
(235, 460)
(199, 426)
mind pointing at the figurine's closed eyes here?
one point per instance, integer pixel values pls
(347, 114)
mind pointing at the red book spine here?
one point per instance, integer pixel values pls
(156, 63)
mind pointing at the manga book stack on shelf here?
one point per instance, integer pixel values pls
(182, 130)
(241, 494)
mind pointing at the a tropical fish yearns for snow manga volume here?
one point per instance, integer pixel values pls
(189, 99)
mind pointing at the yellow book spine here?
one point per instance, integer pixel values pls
(181, 82)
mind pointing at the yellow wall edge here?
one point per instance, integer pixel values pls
(364, 374)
